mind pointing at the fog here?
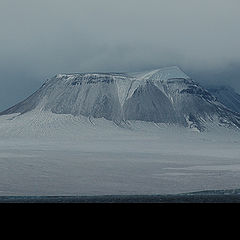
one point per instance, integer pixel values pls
(41, 38)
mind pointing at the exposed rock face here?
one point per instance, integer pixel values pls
(165, 95)
(149, 103)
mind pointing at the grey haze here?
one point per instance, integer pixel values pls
(39, 39)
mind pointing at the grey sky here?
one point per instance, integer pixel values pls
(39, 38)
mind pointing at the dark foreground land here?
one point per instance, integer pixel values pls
(222, 196)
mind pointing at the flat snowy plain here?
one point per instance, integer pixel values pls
(44, 154)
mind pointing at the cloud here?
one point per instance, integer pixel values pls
(41, 38)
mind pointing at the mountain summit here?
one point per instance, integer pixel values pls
(165, 95)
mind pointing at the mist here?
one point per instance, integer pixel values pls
(39, 39)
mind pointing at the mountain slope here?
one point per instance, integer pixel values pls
(227, 96)
(165, 95)
(149, 103)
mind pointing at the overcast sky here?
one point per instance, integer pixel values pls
(40, 38)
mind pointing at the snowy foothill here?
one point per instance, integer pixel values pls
(42, 153)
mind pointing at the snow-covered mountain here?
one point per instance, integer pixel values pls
(164, 95)
(65, 139)
(227, 96)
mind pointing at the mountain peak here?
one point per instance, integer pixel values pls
(162, 74)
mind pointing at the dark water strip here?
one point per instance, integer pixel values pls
(199, 197)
